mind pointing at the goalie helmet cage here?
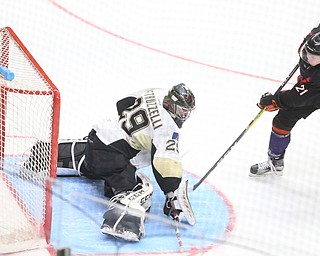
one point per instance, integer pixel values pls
(29, 124)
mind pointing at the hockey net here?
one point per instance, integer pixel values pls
(29, 120)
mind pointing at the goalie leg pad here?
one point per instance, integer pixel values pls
(71, 153)
(125, 216)
(37, 160)
(39, 157)
(124, 222)
(143, 195)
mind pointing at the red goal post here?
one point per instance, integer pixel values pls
(29, 127)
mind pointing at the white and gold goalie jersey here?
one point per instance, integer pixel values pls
(148, 127)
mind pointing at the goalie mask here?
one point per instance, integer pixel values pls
(180, 103)
(310, 51)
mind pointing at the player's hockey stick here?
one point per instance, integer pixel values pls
(244, 131)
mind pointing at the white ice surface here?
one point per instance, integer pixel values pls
(229, 53)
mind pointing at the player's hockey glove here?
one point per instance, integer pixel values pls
(269, 101)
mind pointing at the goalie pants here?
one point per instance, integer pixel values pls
(110, 163)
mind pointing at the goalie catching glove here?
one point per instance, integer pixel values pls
(269, 101)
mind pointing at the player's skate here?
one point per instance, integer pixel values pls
(177, 204)
(126, 213)
(273, 165)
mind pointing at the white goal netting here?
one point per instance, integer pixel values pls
(28, 137)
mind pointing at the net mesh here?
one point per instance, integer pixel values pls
(26, 134)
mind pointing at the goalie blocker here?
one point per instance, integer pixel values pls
(178, 204)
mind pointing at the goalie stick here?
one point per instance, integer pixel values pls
(177, 231)
(195, 186)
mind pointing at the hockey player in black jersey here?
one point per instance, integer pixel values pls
(292, 105)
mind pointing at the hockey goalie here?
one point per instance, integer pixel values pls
(145, 132)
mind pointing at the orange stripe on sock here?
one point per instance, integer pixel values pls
(280, 131)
